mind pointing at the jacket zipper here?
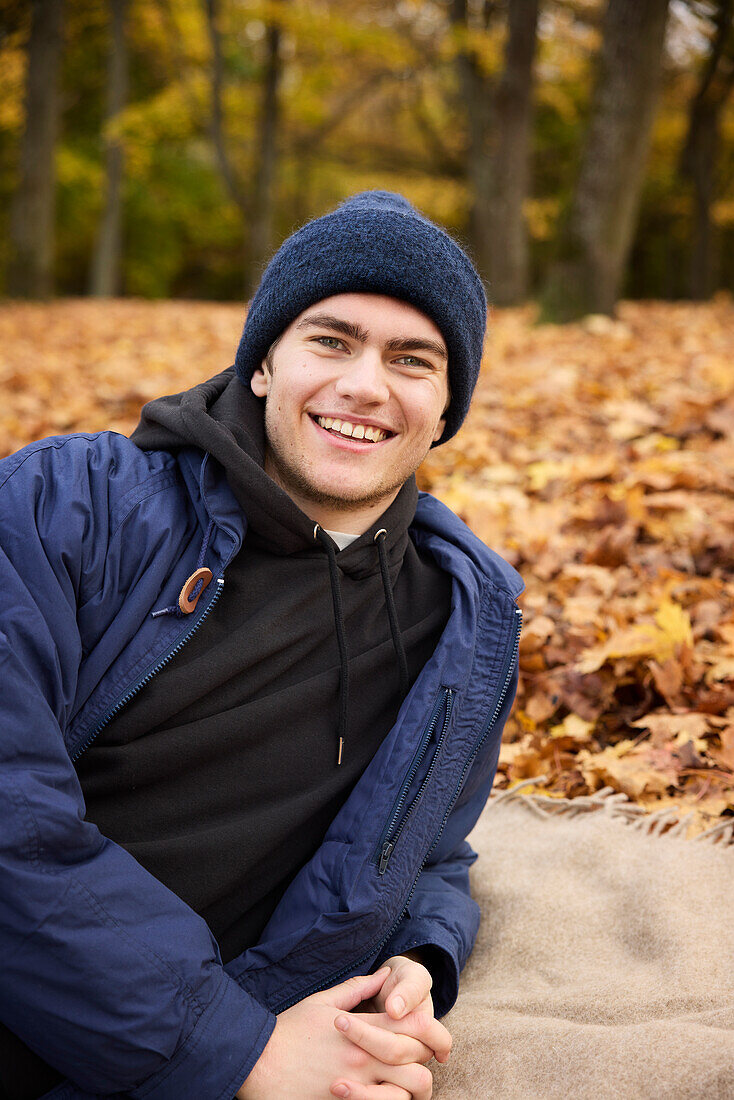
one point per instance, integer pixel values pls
(444, 701)
(375, 949)
(482, 739)
(149, 675)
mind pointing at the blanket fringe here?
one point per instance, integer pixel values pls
(667, 822)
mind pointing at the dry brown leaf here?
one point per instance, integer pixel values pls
(633, 771)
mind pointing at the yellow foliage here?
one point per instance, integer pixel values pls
(12, 77)
(541, 216)
(560, 99)
(74, 169)
(722, 213)
(626, 770)
(672, 628)
(574, 727)
(675, 623)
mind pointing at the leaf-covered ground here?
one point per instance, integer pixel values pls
(598, 458)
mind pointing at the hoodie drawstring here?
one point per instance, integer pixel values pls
(392, 614)
(336, 595)
(194, 585)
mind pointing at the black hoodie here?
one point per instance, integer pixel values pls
(221, 776)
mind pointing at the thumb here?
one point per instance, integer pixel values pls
(355, 990)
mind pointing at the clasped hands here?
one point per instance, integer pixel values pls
(366, 1039)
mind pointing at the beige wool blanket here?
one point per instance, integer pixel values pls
(604, 965)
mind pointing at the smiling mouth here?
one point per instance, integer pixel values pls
(345, 428)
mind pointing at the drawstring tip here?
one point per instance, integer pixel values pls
(341, 746)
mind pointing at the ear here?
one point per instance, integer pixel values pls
(439, 429)
(260, 381)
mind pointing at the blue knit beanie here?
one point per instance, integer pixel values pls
(375, 241)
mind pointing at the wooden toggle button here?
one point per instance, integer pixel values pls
(185, 600)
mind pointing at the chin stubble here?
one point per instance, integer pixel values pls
(293, 479)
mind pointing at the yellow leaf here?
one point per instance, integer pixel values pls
(672, 627)
(679, 727)
(641, 640)
(675, 623)
(574, 727)
(632, 772)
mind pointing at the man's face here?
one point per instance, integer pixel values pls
(355, 399)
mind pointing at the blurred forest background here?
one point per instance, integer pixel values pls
(581, 149)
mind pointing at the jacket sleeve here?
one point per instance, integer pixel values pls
(106, 974)
(443, 919)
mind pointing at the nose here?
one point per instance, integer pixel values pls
(364, 379)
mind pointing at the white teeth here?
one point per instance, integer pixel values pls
(375, 434)
(353, 431)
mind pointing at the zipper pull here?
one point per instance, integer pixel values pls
(387, 848)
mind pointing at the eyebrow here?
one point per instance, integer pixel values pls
(410, 343)
(356, 332)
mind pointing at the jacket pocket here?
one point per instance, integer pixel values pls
(408, 798)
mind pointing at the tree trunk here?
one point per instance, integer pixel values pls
(476, 98)
(226, 168)
(257, 211)
(105, 273)
(595, 239)
(701, 148)
(261, 231)
(507, 257)
(498, 153)
(30, 273)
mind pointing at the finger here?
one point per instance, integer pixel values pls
(393, 1048)
(409, 991)
(355, 990)
(415, 1079)
(420, 1025)
(407, 986)
(430, 1031)
(355, 1091)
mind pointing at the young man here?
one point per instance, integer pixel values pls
(253, 695)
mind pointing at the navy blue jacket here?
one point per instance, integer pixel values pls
(106, 973)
